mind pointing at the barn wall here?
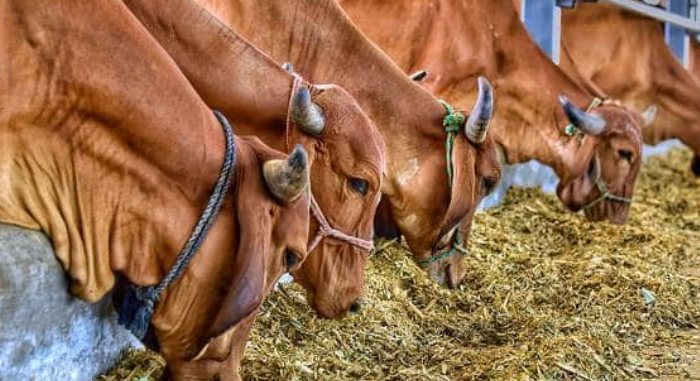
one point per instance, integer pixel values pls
(46, 333)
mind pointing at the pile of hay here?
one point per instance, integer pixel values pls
(548, 296)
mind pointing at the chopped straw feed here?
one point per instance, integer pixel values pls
(548, 296)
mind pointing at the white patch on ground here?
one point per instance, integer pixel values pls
(661, 148)
(526, 175)
(286, 278)
(408, 172)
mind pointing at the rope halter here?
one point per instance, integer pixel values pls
(139, 302)
(456, 247)
(324, 227)
(453, 123)
(606, 194)
(326, 230)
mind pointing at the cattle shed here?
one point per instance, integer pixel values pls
(350, 190)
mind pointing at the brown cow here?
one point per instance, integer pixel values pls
(106, 148)
(419, 202)
(346, 149)
(528, 123)
(625, 55)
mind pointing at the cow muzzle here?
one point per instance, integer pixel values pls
(695, 166)
(444, 265)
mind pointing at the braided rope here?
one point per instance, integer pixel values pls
(147, 297)
(325, 230)
(605, 194)
(452, 122)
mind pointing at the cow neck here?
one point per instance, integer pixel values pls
(653, 77)
(142, 300)
(408, 120)
(109, 180)
(229, 73)
(528, 121)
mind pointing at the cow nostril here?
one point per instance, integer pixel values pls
(356, 306)
(591, 169)
(695, 166)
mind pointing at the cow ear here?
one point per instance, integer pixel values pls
(245, 294)
(649, 115)
(463, 176)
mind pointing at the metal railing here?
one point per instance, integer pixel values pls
(690, 23)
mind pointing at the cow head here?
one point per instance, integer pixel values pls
(347, 169)
(260, 234)
(434, 213)
(272, 239)
(608, 161)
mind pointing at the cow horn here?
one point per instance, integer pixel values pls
(588, 123)
(478, 123)
(306, 114)
(287, 179)
(649, 114)
(418, 76)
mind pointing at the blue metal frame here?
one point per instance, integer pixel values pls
(542, 19)
(676, 37)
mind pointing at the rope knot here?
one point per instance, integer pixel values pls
(454, 120)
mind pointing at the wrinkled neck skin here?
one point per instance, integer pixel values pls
(115, 183)
(528, 120)
(626, 56)
(324, 46)
(85, 132)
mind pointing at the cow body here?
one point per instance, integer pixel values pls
(626, 56)
(347, 157)
(418, 200)
(106, 148)
(528, 121)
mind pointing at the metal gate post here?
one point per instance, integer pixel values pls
(543, 20)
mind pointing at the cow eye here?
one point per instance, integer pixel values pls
(488, 183)
(625, 154)
(360, 186)
(290, 259)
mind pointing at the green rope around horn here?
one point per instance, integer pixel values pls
(570, 129)
(452, 122)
